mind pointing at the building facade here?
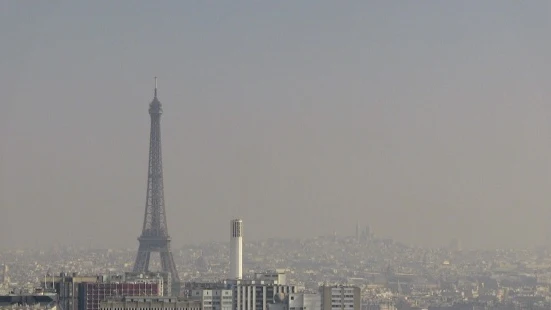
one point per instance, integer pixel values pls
(273, 276)
(92, 294)
(66, 286)
(213, 299)
(340, 297)
(78, 292)
(168, 285)
(304, 301)
(255, 295)
(149, 303)
(296, 301)
(35, 301)
(245, 294)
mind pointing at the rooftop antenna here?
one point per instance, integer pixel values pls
(155, 87)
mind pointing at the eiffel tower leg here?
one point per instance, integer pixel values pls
(142, 259)
(168, 265)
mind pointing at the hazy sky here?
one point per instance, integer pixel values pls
(427, 120)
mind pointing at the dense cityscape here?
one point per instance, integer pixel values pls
(390, 275)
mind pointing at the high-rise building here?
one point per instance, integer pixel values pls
(236, 249)
(340, 297)
(155, 237)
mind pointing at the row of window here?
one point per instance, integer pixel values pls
(147, 308)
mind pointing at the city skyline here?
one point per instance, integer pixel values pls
(428, 122)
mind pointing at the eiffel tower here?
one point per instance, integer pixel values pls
(155, 236)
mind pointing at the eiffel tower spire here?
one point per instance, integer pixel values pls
(155, 93)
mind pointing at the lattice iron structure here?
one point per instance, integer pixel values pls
(155, 236)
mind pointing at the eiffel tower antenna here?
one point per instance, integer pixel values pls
(155, 94)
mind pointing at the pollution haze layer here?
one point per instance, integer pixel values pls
(425, 120)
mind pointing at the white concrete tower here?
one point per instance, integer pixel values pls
(236, 249)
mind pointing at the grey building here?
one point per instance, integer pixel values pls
(304, 301)
(35, 301)
(213, 299)
(256, 295)
(71, 297)
(296, 301)
(149, 303)
(340, 297)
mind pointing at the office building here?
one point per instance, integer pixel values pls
(167, 284)
(149, 303)
(66, 286)
(213, 299)
(340, 297)
(78, 292)
(247, 294)
(257, 294)
(304, 301)
(91, 294)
